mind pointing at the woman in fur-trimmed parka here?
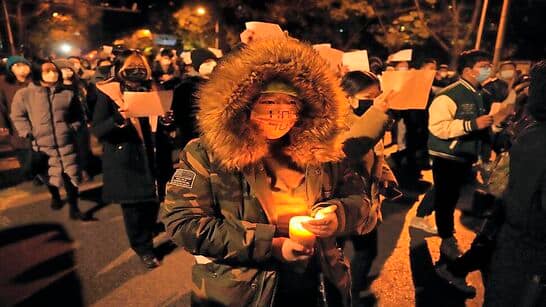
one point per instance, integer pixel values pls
(271, 119)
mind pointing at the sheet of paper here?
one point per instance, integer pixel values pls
(333, 56)
(401, 56)
(356, 60)
(144, 104)
(495, 107)
(264, 30)
(112, 90)
(411, 88)
(328, 45)
(107, 49)
(500, 111)
(217, 52)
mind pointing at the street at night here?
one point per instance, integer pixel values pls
(93, 261)
(320, 153)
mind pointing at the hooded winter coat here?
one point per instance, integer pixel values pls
(51, 117)
(127, 160)
(212, 208)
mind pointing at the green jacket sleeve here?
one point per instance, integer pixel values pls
(193, 218)
(352, 199)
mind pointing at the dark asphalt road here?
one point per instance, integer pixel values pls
(45, 258)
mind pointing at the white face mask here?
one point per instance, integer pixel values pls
(165, 62)
(507, 74)
(67, 73)
(50, 77)
(77, 65)
(443, 74)
(206, 68)
(21, 71)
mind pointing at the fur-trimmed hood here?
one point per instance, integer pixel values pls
(226, 99)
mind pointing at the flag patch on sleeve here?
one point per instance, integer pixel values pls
(183, 178)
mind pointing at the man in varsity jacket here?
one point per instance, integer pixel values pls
(455, 117)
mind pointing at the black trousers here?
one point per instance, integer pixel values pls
(365, 252)
(478, 257)
(449, 177)
(416, 140)
(140, 219)
(71, 192)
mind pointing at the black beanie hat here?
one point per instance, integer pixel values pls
(199, 56)
(536, 103)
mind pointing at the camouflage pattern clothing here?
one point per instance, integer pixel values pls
(211, 207)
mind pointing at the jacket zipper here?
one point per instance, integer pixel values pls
(56, 145)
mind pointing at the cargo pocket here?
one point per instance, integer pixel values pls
(224, 285)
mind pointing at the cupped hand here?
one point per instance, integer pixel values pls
(324, 224)
(287, 250)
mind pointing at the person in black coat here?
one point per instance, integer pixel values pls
(184, 97)
(128, 160)
(518, 266)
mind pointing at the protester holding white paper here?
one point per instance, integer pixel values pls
(455, 117)
(128, 159)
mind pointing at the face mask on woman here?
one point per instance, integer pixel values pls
(50, 76)
(165, 61)
(20, 71)
(105, 70)
(363, 106)
(135, 74)
(67, 73)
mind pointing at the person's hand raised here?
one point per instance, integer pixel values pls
(381, 102)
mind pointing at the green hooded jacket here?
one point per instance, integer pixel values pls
(211, 209)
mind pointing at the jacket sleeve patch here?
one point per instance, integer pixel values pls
(183, 178)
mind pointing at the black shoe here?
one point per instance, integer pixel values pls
(458, 283)
(150, 261)
(76, 214)
(449, 248)
(56, 204)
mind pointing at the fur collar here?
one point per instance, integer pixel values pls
(226, 99)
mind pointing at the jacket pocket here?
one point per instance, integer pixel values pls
(225, 285)
(118, 155)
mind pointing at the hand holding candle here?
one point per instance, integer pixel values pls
(324, 224)
(298, 233)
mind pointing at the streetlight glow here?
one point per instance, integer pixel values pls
(201, 11)
(65, 48)
(55, 14)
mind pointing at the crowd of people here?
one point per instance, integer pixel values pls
(269, 132)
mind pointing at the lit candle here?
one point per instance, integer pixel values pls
(298, 233)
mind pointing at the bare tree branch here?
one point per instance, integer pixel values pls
(456, 25)
(379, 18)
(434, 35)
(473, 21)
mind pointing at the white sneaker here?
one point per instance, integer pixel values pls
(426, 224)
